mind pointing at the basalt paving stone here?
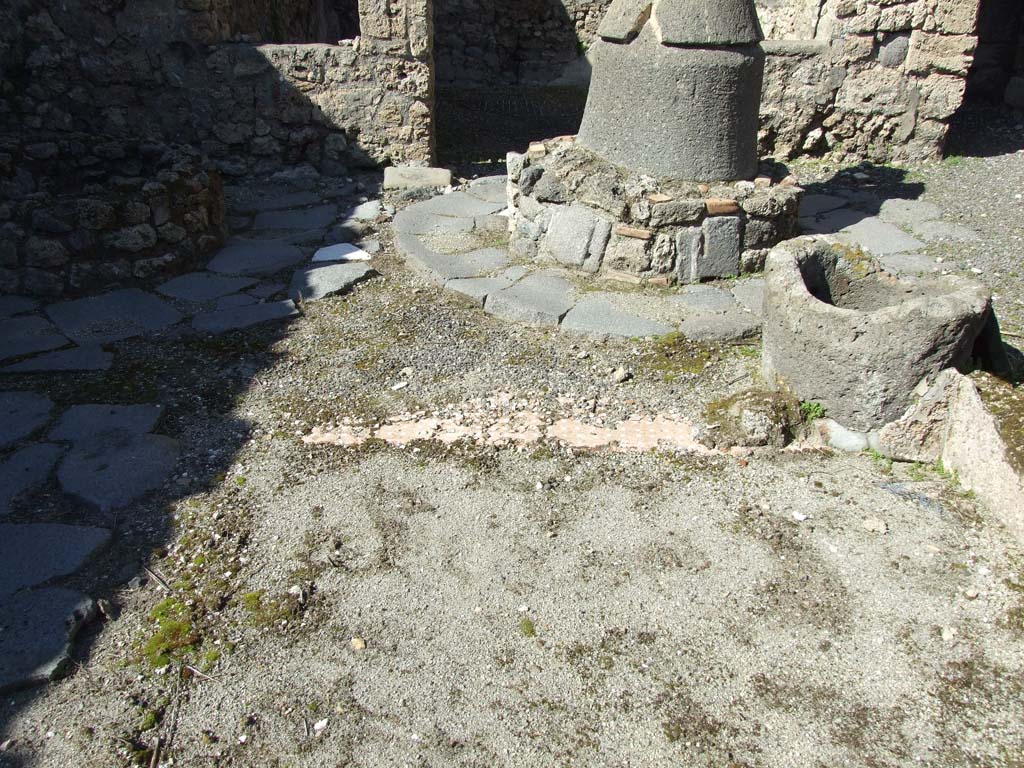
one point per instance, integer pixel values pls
(831, 222)
(937, 231)
(21, 414)
(705, 298)
(113, 469)
(491, 189)
(242, 317)
(879, 238)
(907, 212)
(814, 205)
(367, 211)
(278, 202)
(26, 469)
(37, 628)
(319, 217)
(88, 358)
(203, 286)
(112, 316)
(235, 300)
(909, 263)
(318, 282)
(458, 204)
(727, 326)
(440, 268)
(27, 335)
(750, 295)
(341, 252)
(249, 258)
(477, 289)
(34, 553)
(599, 317)
(415, 222)
(537, 299)
(266, 290)
(16, 305)
(82, 422)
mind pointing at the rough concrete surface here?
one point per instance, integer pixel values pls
(513, 603)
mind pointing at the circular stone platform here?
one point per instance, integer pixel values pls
(460, 241)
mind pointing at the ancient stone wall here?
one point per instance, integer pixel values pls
(103, 101)
(487, 42)
(880, 81)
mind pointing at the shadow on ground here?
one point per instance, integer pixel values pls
(196, 376)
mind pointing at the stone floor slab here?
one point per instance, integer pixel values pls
(815, 205)
(112, 316)
(88, 358)
(458, 204)
(203, 286)
(728, 326)
(367, 211)
(414, 177)
(538, 299)
(34, 553)
(937, 231)
(878, 237)
(599, 317)
(315, 283)
(490, 189)
(704, 299)
(909, 263)
(250, 258)
(341, 252)
(83, 422)
(439, 268)
(243, 317)
(28, 335)
(16, 305)
(21, 414)
(416, 222)
(320, 217)
(26, 469)
(477, 289)
(907, 212)
(37, 628)
(112, 470)
(830, 222)
(266, 290)
(235, 300)
(279, 202)
(750, 295)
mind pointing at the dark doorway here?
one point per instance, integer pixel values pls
(508, 74)
(295, 21)
(1000, 53)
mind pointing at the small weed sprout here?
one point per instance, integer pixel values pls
(812, 411)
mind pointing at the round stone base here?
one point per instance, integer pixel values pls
(573, 208)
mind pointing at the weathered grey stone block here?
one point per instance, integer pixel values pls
(689, 248)
(538, 299)
(569, 234)
(627, 254)
(721, 253)
(598, 246)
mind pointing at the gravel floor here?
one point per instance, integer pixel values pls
(467, 605)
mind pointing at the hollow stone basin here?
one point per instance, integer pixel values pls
(841, 331)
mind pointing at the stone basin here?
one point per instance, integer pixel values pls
(841, 331)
